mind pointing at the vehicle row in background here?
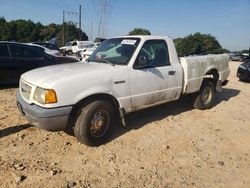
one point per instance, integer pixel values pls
(47, 45)
(74, 46)
(238, 57)
(17, 58)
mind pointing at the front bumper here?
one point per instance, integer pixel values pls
(54, 119)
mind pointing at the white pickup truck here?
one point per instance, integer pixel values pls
(124, 74)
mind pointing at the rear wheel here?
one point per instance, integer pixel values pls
(205, 97)
(94, 122)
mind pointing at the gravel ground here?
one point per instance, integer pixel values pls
(171, 145)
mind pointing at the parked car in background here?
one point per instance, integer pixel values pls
(75, 46)
(84, 54)
(44, 49)
(235, 57)
(17, 58)
(47, 45)
(245, 57)
(243, 72)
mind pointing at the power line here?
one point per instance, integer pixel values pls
(59, 5)
(94, 5)
(69, 7)
(66, 8)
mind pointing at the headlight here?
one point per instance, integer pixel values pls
(45, 96)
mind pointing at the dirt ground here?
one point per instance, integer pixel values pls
(171, 145)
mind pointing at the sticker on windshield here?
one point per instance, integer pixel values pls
(128, 42)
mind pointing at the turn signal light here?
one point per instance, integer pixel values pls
(50, 96)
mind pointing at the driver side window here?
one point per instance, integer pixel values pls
(154, 53)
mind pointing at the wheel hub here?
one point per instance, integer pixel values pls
(99, 123)
(206, 95)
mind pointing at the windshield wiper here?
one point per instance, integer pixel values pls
(106, 61)
(109, 62)
(101, 61)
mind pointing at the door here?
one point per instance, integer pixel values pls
(153, 78)
(26, 58)
(7, 65)
(74, 47)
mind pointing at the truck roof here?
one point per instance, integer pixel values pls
(145, 37)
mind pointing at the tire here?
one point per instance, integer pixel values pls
(94, 122)
(70, 52)
(204, 99)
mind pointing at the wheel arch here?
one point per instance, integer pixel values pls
(212, 74)
(88, 99)
(103, 96)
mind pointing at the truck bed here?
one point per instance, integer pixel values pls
(196, 67)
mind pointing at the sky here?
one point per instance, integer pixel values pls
(227, 20)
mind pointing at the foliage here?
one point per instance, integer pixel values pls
(198, 44)
(98, 39)
(28, 31)
(139, 31)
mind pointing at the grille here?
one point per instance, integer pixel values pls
(25, 90)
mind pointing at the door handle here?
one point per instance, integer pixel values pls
(171, 72)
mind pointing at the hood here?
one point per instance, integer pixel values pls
(46, 77)
(49, 51)
(64, 47)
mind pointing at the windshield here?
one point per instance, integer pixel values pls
(90, 45)
(68, 44)
(116, 51)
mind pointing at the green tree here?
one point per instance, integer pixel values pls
(24, 30)
(99, 39)
(198, 44)
(50, 31)
(139, 31)
(28, 31)
(71, 32)
(4, 29)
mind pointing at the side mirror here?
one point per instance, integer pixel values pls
(141, 62)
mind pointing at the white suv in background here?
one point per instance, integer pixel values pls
(74, 46)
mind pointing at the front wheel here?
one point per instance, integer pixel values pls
(93, 123)
(70, 52)
(205, 97)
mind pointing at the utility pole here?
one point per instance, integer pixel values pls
(63, 24)
(63, 35)
(104, 19)
(91, 31)
(99, 28)
(80, 22)
(102, 29)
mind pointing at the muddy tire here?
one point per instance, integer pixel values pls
(94, 123)
(204, 99)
